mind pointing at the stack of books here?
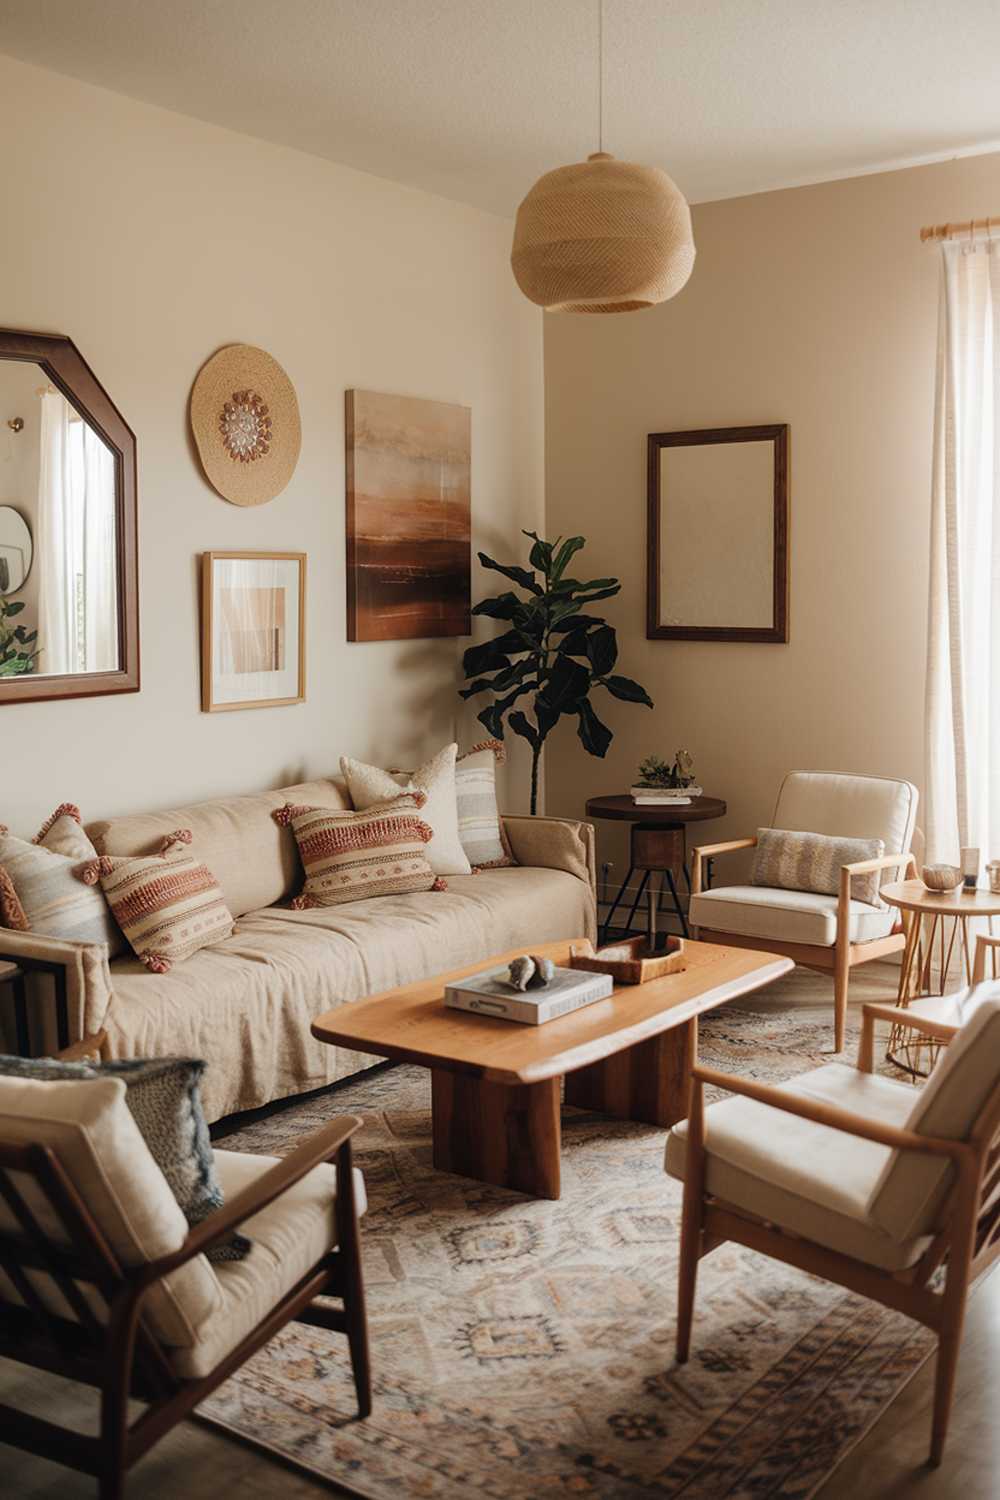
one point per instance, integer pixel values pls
(491, 994)
(663, 796)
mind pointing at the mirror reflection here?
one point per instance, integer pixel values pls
(58, 546)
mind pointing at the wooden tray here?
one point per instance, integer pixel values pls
(630, 961)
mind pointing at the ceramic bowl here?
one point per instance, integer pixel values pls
(941, 877)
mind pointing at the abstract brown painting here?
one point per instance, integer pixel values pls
(408, 518)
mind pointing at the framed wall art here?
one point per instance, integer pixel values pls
(252, 629)
(718, 535)
(409, 529)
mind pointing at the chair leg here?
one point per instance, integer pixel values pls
(949, 1344)
(356, 1317)
(687, 1279)
(841, 981)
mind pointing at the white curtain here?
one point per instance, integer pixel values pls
(78, 607)
(963, 658)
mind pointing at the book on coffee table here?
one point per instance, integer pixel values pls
(490, 994)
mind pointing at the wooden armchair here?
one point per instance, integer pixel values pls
(829, 933)
(102, 1281)
(857, 1178)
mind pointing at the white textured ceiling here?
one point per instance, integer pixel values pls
(474, 99)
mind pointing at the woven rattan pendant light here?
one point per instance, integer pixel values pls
(602, 236)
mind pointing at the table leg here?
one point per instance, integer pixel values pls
(650, 1082)
(506, 1134)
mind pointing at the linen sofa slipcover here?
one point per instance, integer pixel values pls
(246, 1004)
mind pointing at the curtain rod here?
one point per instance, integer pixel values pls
(970, 227)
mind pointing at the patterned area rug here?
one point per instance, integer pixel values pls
(525, 1349)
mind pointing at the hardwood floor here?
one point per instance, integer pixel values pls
(200, 1463)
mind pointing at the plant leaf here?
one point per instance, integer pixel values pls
(540, 556)
(561, 559)
(613, 588)
(602, 650)
(14, 608)
(595, 736)
(503, 607)
(492, 654)
(516, 574)
(627, 690)
(567, 682)
(492, 717)
(574, 622)
(521, 726)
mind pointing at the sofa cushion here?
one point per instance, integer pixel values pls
(350, 856)
(480, 826)
(247, 1004)
(369, 785)
(39, 891)
(169, 905)
(253, 859)
(785, 916)
(802, 1176)
(290, 1236)
(88, 1125)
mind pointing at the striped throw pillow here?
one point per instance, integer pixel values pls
(350, 855)
(789, 861)
(169, 905)
(39, 891)
(480, 828)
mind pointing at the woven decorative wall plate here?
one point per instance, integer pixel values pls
(245, 421)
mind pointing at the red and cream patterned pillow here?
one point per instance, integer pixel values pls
(350, 855)
(169, 905)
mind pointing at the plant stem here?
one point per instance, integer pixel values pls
(536, 751)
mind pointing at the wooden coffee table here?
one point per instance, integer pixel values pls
(495, 1084)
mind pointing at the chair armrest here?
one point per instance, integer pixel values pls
(709, 851)
(984, 940)
(319, 1148)
(896, 1016)
(554, 844)
(864, 867)
(830, 1115)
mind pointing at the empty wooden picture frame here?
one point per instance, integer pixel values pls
(717, 536)
(252, 630)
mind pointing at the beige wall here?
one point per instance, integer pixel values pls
(152, 239)
(817, 307)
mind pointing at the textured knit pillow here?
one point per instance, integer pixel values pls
(368, 786)
(350, 855)
(789, 861)
(39, 891)
(163, 1095)
(479, 824)
(168, 905)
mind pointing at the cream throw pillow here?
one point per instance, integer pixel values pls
(39, 891)
(793, 861)
(370, 785)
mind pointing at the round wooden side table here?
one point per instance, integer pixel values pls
(657, 845)
(933, 919)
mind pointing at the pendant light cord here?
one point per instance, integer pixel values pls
(600, 75)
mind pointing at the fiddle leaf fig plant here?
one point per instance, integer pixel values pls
(18, 652)
(554, 652)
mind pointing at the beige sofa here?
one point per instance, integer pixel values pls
(246, 1005)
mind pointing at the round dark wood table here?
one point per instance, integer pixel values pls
(657, 845)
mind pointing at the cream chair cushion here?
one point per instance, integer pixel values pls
(290, 1237)
(802, 1176)
(852, 807)
(785, 916)
(89, 1127)
(908, 1193)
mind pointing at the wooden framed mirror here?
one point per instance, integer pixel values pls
(69, 604)
(717, 567)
